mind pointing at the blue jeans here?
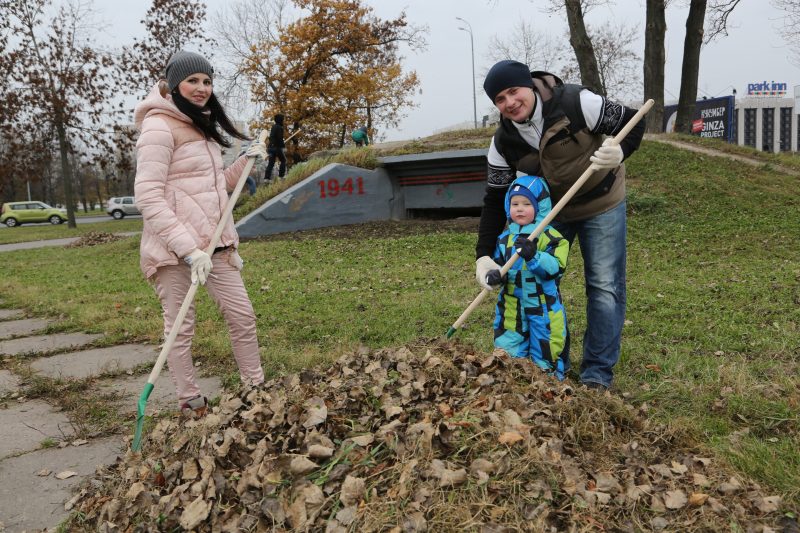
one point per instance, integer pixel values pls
(602, 239)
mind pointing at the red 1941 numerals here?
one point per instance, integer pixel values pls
(332, 188)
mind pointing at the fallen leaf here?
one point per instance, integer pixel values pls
(302, 465)
(653, 367)
(363, 440)
(196, 512)
(44, 472)
(452, 477)
(79, 442)
(353, 490)
(509, 437)
(675, 499)
(66, 474)
(696, 499)
(768, 504)
(136, 489)
(679, 468)
(732, 486)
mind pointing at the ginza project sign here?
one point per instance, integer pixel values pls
(712, 118)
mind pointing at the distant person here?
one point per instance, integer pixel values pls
(250, 182)
(360, 136)
(530, 320)
(181, 191)
(556, 130)
(276, 149)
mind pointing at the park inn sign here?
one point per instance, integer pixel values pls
(767, 88)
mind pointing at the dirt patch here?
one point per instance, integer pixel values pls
(426, 437)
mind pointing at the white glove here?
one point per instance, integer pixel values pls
(235, 260)
(608, 156)
(257, 149)
(483, 266)
(201, 265)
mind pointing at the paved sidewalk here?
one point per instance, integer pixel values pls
(45, 453)
(51, 242)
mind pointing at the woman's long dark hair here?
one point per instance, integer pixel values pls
(208, 118)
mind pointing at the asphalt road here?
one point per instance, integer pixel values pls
(79, 220)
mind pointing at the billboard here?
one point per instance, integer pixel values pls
(712, 117)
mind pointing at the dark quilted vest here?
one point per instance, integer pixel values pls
(564, 152)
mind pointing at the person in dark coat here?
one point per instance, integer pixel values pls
(276, 149)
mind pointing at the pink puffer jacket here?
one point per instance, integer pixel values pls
(181, 187)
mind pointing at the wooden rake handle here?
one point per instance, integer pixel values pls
(553, 212)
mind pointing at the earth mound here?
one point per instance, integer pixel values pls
(431, 436)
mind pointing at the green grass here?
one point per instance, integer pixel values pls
(42, 232)
(711, 343)
(788, 160)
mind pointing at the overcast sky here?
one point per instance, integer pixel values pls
(754, 50)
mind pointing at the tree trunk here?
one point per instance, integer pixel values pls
(97, 191)
(81, 181)
(582, 45)
(690, 69)
(66, 171)
(654, 59)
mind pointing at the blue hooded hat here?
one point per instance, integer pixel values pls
(534, 189)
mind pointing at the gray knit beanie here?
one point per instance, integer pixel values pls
(183, 64)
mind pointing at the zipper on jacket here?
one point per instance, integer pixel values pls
(216, 189)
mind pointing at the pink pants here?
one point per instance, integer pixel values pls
(227, 289)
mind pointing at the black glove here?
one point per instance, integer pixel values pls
(525, 248)
(494, 279)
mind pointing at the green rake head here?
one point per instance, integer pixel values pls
(137, 436)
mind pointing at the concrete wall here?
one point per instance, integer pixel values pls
(439, 180)
(335, 195)
(341, 194)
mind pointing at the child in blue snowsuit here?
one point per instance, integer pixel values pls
(530, 320)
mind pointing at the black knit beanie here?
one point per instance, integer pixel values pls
(183, 64)
(505, 74)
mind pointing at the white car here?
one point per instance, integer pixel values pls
(120, 206)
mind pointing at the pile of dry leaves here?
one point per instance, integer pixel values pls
(428, 437)
(93, 238)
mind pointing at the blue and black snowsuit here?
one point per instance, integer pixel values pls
(530, 320)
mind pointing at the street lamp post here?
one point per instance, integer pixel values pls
(472, 51)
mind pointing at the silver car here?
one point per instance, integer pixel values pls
(120, 206)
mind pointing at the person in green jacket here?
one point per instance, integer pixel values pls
(360, 136)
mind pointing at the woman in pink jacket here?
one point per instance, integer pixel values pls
(181, 190)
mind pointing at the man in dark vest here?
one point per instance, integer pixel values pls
(556, 130)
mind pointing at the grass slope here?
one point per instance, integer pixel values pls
(710, 347)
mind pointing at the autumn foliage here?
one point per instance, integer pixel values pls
(334, 69)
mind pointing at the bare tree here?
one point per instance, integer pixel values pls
(690, 67)
(717, 18)
(528, 45)
(718, 13)
(62, 81)
(654, 60)
(582, 44)
(170, 25)
(791, 25)
(239, 26)
(617, 64)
